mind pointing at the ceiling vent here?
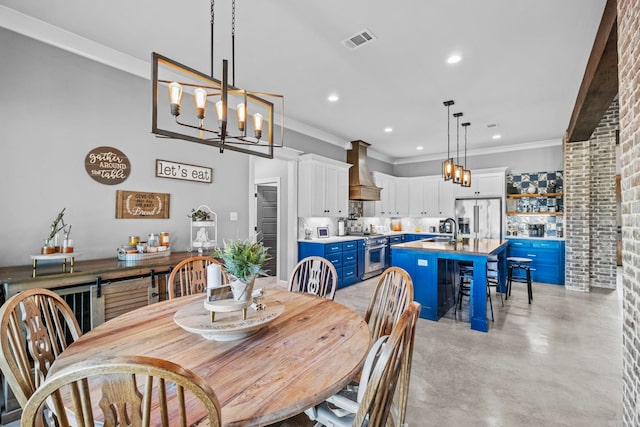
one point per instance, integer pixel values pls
(359, 39)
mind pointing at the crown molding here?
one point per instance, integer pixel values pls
(482, 151)
(66, 40)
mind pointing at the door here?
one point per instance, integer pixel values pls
(267, 224)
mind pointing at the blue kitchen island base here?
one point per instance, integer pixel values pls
(427, 262)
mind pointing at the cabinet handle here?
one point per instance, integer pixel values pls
(531, 255)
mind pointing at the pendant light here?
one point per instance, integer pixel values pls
(466, 173)
(457, 168)
(447, 165)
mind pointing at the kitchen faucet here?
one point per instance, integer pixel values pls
(455, 229)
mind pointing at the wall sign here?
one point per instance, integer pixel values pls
(107, 165)
(136, 204)
(167, 169)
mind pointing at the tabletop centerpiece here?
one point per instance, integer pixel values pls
(243, 261)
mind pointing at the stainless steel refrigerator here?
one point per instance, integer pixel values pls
(479, 217)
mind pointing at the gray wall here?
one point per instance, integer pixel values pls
(531, 160)
(55, 108)
(58, 106)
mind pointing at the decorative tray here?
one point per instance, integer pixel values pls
(195, 318)
(139, 257)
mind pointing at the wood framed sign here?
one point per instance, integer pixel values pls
(167, 169)
(137, 204)
(107, 165)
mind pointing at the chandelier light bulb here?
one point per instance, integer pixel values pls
(241, 114)
(258, 120)
(175, 96)
(200, 99)
(219, 110)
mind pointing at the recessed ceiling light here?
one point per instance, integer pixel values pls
(333, 97)
(496, 136)
(454, 59)
(419, 147)
(388, 129)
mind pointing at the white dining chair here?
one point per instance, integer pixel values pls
(377, 402)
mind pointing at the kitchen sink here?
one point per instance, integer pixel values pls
(442, 239)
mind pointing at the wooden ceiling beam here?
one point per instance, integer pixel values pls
(600, 82)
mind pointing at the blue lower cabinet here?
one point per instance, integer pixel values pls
(425, 279)
(547, 258)
(346, 257)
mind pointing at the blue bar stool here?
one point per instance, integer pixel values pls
(492, 277)
(464, 287)
(523, 274)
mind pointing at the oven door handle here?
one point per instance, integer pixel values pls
(375, 247)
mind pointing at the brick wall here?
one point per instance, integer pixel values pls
(629, 92)
(590, 207)
(577, 216)
(602, 201)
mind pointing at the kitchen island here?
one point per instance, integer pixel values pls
(433, 267)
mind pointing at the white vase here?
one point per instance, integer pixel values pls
(242, 290)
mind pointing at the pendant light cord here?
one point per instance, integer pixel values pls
(211, 23)
(458, 140)
(465, 143)
(233, 43)
(448, 131)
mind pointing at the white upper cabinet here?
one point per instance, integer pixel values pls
(386, 204)
(423, 196)
(401, 207)
(447, 193)
(485, 183)
(323, 187)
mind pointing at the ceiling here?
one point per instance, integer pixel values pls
(521, 69)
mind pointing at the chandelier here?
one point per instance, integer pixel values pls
(207, 120)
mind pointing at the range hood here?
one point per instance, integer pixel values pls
(361, 185)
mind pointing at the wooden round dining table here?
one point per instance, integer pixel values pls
(308, 353)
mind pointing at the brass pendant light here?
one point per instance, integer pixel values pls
(466, 173)
(447, 165)
(457, 168)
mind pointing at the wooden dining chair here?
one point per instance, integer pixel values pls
(125, 390)
(385, 369)
(314, 275)
(37, 325)
(392, 295)
(189, 276)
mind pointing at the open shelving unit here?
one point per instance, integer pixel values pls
(534, 196)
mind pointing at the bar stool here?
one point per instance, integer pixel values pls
(464, 287)
(492, 276)
(523, 275)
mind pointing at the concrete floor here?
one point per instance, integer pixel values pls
(556, 362)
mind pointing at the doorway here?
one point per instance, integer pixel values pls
(267, 223)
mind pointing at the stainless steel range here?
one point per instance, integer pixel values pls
(375, 255)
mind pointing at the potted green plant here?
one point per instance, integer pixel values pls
(243, 261)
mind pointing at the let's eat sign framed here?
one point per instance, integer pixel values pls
(186, 172)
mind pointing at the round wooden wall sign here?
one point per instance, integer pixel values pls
(107, 165)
